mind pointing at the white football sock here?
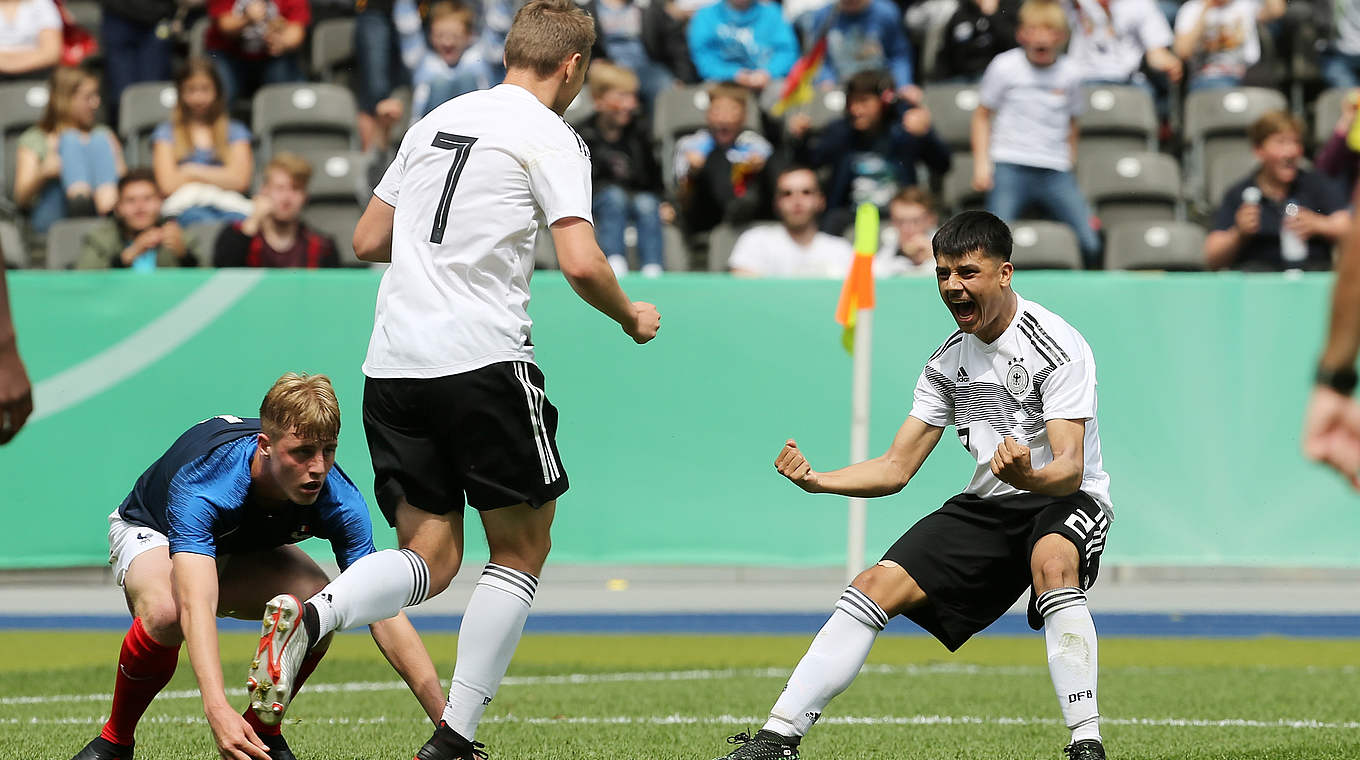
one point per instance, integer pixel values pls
(491, 628)
(831, 663)
(1071, 638)
(375, 587)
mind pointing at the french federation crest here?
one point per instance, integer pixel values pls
(1017, 378)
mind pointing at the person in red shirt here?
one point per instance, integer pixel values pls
(255, 42)
(274, 235)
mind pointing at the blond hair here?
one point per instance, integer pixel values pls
(61, 90)
(217, 114)
(1273, 123)
(605, 78)
(915, 196)
(729, 91)
(302, 404)
(545, 33)
(1043, 13)
(452, 9)
(295, 166)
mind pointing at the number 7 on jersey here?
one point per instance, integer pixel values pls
(460, 146)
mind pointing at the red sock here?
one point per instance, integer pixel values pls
(144, 668)
(304, 672)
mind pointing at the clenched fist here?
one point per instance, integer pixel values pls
(1010, 463)
(793, 465)
(646, 322)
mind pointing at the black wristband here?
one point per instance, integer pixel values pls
(1342, 380)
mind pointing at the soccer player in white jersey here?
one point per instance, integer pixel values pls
(1019, 386)
(454, 406)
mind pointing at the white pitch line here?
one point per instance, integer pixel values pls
(748, 720)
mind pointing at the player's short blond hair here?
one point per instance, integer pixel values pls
(605, 78)
(296, 167)
(1047, 13)
(303, 404)
(545, 33)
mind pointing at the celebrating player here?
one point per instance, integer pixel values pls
(454, 406)
(1019, 386)
(208, 530)
(16, 398)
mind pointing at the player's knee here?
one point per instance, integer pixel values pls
(1055, 572)
(891, 588)
(160, 618)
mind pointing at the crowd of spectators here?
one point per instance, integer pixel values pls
(759, 160)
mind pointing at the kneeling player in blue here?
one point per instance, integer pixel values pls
(209, 530)
(1019, 386)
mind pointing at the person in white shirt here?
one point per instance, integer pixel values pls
(1339, 63)
(1111, 39)
(1018, 384)
(30, 37)
(1220, 40)
(794, 247)
(906, 250)
(454, 405)
(1024, 130)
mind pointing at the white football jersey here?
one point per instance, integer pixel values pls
(1040, 369)
(473, 184)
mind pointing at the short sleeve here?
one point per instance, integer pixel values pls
(389, 188)
(162, 133)
(237, 132)
(560, 182)
(351, 531)
(296, 11)
(200, 494)
(1185, 17)
(1076, 96)
(993, 87)
(46, 15)
(1069, 391)
(1154, 32)
(933, 401)
(746, 254)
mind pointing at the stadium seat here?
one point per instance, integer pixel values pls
(1326, 111)
(1126, 187)
(301, 117)
(1228, 163)
(65, 238)
(21, 105)
(198, 34)
(203, 238)
(86, 13)
(140, 108)
(721, 241)
(337, 176)
(1155, 245)
(957, 191)
(337, 220)
(1044, 245)
(951, 111)
(333, 50)
(1216, 116)
(12, 243)
(1119, 111)
(675, 253)
(680, 111)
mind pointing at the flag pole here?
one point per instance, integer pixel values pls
(859, 438)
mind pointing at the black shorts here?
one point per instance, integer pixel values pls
(972, 557)
(485, 438)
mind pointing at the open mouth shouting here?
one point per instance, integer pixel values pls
(965, 312)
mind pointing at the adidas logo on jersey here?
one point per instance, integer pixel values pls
(962, 375)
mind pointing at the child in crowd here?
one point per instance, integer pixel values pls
(721, 170)
(442, 67)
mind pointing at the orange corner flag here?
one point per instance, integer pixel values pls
(858, 291)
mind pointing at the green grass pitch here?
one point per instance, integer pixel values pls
(651, 697)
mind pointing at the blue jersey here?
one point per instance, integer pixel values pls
(198, 494)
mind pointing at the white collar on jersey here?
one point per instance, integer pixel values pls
(991, 348)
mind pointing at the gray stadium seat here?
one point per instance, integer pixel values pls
(951, 112)
(65, 238)
(721, 241)
(1044, 245)
(675, 252)
(86, 13)
(197, 36)
(12, 243)
(1326, 111)
(957, 191)
(1119, 111)
(1126, 187)
(21, 105)
(203, 239)
(1217, 116)
(333, 50)
(680, 111)
(1228, 163)
(337, 220)
(140, 108)
(1155, 245)
(337, 176)
(302, 117)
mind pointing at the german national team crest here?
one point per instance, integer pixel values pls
(1017, 378)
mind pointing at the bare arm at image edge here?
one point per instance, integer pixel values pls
(16, 394)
